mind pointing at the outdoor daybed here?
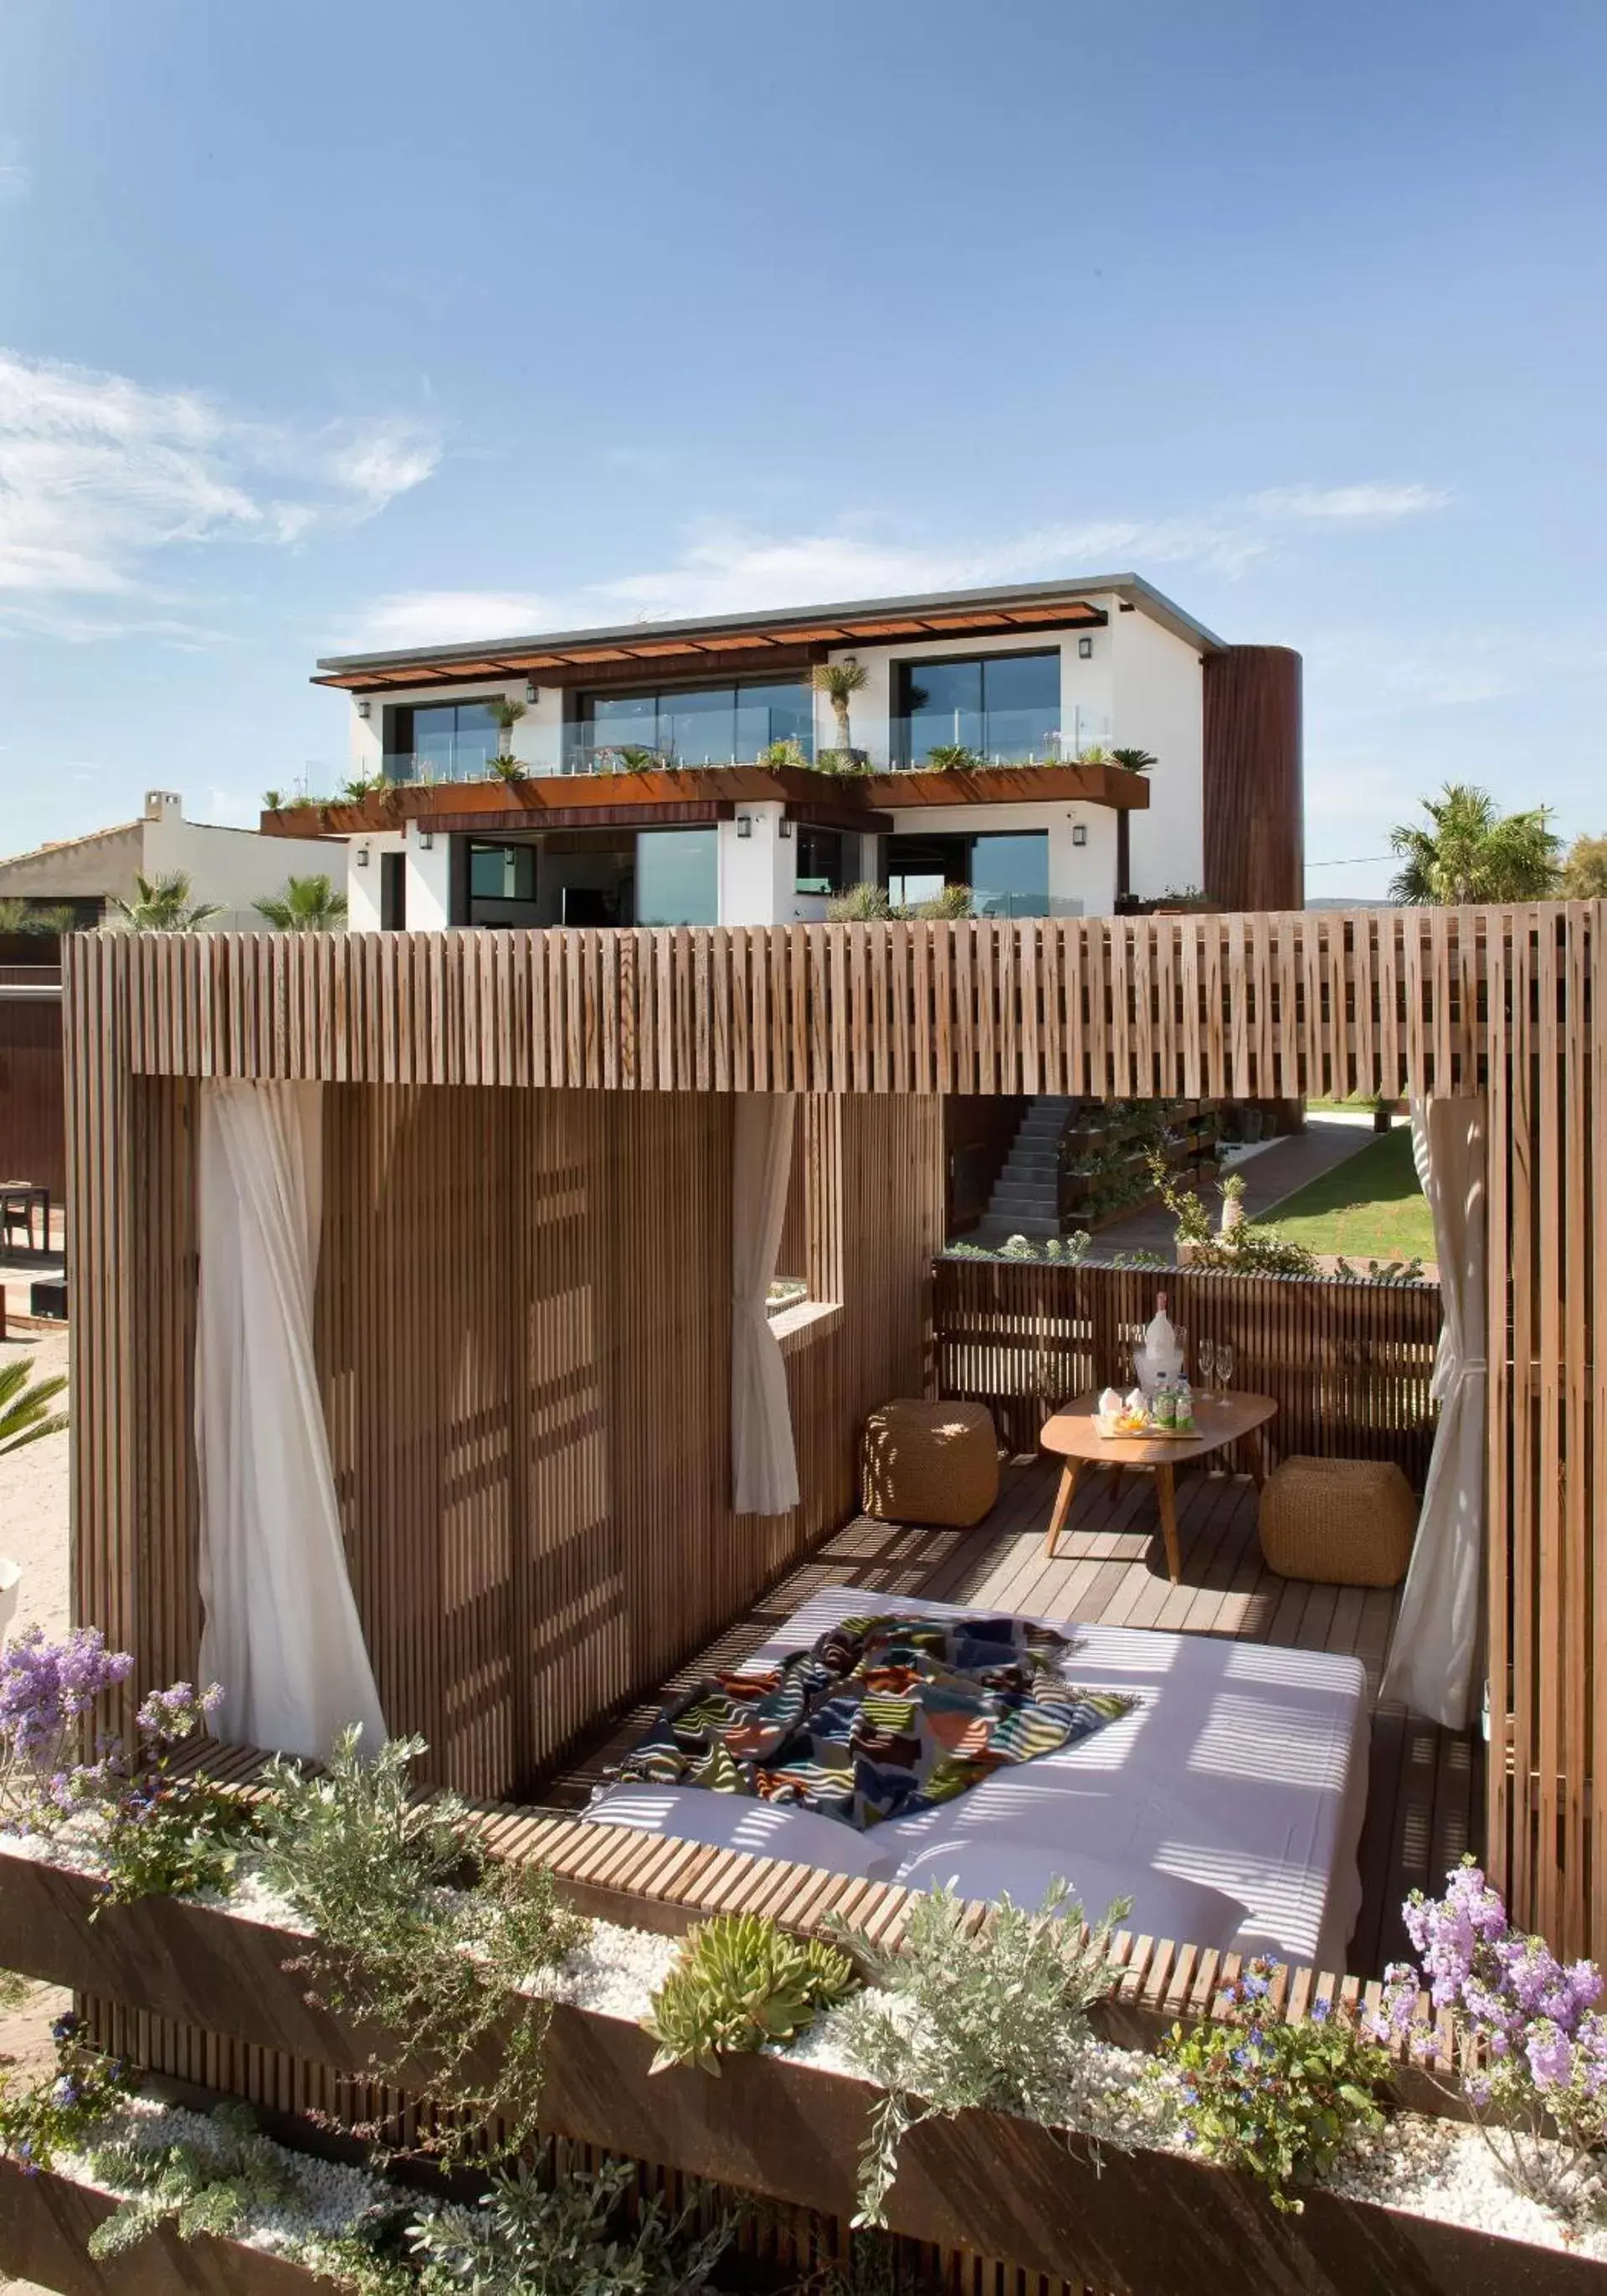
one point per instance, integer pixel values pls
(1227, 1804)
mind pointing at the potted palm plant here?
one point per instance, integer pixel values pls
(504, 765)
(840, 681)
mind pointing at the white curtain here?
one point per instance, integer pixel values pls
(281, 1631)
(1434, 1652)
(764, 1465)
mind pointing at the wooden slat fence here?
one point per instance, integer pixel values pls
(1264, 1007)
(1348, 1364)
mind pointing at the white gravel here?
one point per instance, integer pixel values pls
(1444, 2169)
(330, 2199)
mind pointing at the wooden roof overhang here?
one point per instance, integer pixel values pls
(738, 651)
(828, 801)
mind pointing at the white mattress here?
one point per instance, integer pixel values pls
(1243, 1767)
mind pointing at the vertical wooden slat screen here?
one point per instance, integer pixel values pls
(1102, 1005)
(523, 1332)
(1348, 1364)
(586, 1211)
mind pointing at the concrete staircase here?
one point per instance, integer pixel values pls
(1025, 1200)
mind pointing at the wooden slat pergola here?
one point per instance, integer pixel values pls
(527, 1257)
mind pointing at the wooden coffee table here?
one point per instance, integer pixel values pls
(1218, 1419)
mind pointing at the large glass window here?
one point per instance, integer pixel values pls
(502, 885)
(821, 867)
(441, 741)
(1005, 707)
(677, 877)
(698, 726)
(1007, 872)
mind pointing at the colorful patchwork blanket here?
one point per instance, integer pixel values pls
(883, 1716)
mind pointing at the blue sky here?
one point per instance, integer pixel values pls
(330, 322)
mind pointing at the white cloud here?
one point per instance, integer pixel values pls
(724, 569)
(421, 617)
(99, 473)
(1374, 505)
(16, 177)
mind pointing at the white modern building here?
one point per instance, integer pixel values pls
(691, 771)
(234, 868)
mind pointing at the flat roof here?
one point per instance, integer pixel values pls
(936, 614)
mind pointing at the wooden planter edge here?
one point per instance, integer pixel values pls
(1148, 2222)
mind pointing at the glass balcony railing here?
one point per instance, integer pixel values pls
(1000, 737)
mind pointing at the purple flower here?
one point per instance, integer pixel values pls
(65, 2092)
(1550, 2057)
(1322, 2009)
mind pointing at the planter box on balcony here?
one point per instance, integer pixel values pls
(1146, 2222)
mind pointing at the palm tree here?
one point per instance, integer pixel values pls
(307, 905)
(840, 681)
(25, 1412)
(163, 904)
(1469, 851)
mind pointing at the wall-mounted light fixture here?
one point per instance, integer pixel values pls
(531, 692)
(363, 705)
(786, 827)
(362, 856)
(744, 824)
(426, 840)
(1079, 834)
(1085, 649)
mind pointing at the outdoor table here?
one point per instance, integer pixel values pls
(1218, 1419)
(20, 1199)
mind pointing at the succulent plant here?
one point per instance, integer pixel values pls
(739, 1983)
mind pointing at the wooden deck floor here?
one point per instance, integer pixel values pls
(1426, 1794)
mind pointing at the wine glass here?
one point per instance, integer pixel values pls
(1208, 1361)
(1225, 1364)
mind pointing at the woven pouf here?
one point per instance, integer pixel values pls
(930, 1463)
(1343, 1522)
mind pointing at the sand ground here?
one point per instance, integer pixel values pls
(33, 1531)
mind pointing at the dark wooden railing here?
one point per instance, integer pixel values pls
(1348, 1364)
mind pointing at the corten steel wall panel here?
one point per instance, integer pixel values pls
(1255, 839)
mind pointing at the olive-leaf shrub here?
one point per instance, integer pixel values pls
(440, 1969)
(1531, 2044)
(1279, 2100)
(738, 1983)
(999, 2020)
(576, 2236)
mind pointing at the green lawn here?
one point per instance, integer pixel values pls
(1368, 1208)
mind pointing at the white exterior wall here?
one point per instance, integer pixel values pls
(1159, 706)
(234, 867)
(363, 879)
(429, 881)
(758, 873)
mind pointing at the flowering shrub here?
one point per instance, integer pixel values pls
(59, 2109)
(155, 1832)
(168, 1836)
(1533, 2045)
(1278, 2100)
(46, 1691)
